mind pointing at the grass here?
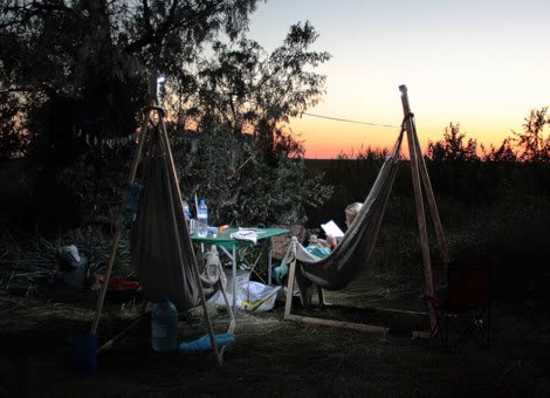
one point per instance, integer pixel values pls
(276, 358)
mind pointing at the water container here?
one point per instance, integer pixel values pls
(84, 350)
(164, 324)
(202, 219)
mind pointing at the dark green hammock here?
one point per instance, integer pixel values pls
(161, 249)
(353, 252)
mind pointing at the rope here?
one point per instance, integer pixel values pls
(340, 119)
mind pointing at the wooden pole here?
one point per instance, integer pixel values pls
(362, 327)
(419, 201)
(291, 280)
(109, 344)
(232, 320)
(432, 205)
(118, 229)
(179, 210)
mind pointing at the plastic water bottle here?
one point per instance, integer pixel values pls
(164, 325)
(202, 219)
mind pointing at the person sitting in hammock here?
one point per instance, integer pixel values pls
(322, 248)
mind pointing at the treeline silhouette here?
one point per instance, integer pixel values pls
(461, 169)
(494, 202)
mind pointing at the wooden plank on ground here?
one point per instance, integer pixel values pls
(363, 327)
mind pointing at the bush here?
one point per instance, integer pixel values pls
(241, 186)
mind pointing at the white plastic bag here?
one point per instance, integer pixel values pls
(251, 296)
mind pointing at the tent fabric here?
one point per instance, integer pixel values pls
(339, 268)
(161, 249)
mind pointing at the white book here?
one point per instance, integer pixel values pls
(331, 229)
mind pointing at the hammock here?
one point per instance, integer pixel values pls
(160, 245)
(161, 249)
(335, 271)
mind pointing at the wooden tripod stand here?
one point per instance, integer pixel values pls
(422, 186)
(151, 127)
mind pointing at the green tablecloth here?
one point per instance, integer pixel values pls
(224, 238)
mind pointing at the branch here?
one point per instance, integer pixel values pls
(17, 90)
(22, 14)
(147, 17)
(169, 25)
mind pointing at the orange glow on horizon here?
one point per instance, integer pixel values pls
(326, 139)
(485, 69)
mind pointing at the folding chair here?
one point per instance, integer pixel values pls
(466, 302)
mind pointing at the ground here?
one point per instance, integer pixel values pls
(271, 357)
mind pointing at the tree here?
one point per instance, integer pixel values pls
(531, 140)
(248, 91)
(241, 188)
(453, 146)
(504, 153)
(246, 162)
(84, 68)
(13, 137)
(87, 68)
(94, 59)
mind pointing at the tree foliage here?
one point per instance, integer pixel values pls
(246, 161)
(245, 90)
(531, 141)
(453, 146)
(505, 152)
(94, 59)
(241, 188)
(14, 138)
(86, 68)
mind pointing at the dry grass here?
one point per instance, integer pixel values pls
(274, 358)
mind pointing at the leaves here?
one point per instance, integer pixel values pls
(229, 171)
(101, 55)
(247, 90)
(453, 146)
(14, 139)
(531, 140)
(88, 65)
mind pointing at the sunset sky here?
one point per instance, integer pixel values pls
(484, 64)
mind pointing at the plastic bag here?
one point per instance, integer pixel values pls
(251, 296)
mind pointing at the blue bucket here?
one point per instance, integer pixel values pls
(84, 353)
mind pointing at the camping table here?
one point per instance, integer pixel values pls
(230, 247)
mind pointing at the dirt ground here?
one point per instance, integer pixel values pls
(272, 357)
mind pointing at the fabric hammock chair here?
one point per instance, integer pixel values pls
(161, 248)
(353, 252)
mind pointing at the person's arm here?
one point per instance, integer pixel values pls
(314, 240)
(331, 242)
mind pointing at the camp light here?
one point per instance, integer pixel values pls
(160, 88)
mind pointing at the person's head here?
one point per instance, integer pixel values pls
(351, 212)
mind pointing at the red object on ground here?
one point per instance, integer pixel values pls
(119, 283)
